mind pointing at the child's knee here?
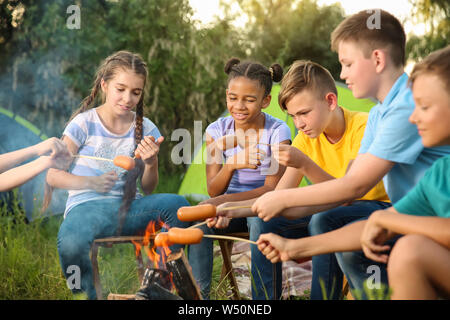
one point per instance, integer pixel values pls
(406, 253)
(319, 224)
(175, 201)
(71, 247)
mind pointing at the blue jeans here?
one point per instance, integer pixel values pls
(99, 218)
(325, 267)
(266, 277)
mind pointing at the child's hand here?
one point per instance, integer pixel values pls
(51, 146)
(233, 213)
(226, 142)
(60, 160)
(273, 247)
(250, 157)
(218, 222)
(372, 239)
(148, 149)
(287, 155)
(268, 206)
(103, 183)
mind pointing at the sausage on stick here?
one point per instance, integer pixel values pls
(202, 212)
(194, 236)
(124, 162)
(162, 240)
(195, 213)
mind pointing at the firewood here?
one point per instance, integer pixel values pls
(116, 296)
(185, 284)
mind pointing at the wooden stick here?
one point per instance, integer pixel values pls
(197, 225)
(234, 208)
(216, 236)
(265, 144)
(224, 209)
(90, 157)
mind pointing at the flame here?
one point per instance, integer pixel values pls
(149, 235)
(138, 247)
(150, 249)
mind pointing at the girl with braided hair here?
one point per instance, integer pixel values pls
(102, 198)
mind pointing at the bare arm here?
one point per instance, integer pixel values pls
(365, 172)
(53, 154)
(291, 179)
(218, 175)
(17, 176)
(11, 159)
(277, 248)
(301, 164)
(148, 150)
(150, 177)
(435, 228)
(64, 180)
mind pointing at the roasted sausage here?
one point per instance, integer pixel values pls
(185, 236)
(124, 162)
(195, 213)
(162, 240)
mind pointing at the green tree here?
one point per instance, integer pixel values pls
(48, 68)
(436, 15)
(285, 31)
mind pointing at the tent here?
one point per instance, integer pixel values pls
(194, 181)
(17, 133)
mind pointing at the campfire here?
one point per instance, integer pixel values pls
(168, 275)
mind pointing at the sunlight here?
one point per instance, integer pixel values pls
(207, 11)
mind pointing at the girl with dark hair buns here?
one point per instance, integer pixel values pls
(239, 166)
(102, 198)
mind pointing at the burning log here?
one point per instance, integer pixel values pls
(155, 292)
(182, 277)
(159, 276)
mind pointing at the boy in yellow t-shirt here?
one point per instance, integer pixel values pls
(328, 140)
(334, 158)
(330, 136)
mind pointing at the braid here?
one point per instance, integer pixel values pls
(129, 192)
(139, 130)
(88, 101)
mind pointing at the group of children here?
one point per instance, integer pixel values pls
(379, 192)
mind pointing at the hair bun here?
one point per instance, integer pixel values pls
(277, 72)
(230, 64)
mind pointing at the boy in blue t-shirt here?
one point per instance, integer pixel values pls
(419, 262)
(372, 65)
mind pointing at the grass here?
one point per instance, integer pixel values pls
(29, 258)
(30, 266)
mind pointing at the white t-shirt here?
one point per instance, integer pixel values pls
(94, 139)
